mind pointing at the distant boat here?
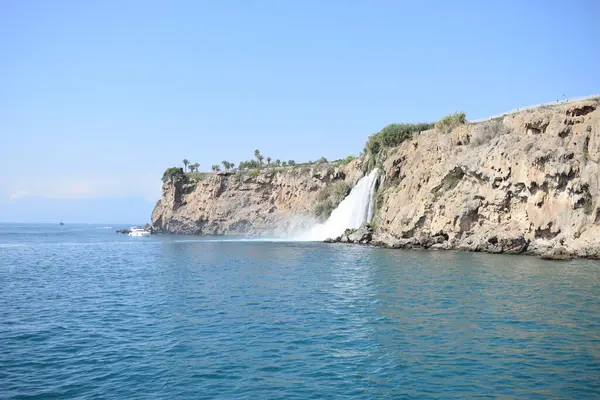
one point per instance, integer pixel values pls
(62, 223)
(136, 231)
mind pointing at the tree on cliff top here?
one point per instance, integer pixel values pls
(185, 164)
(173, 174)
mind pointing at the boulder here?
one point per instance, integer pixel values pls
(557, 253)
(363, 234)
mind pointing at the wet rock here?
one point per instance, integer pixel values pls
(363, 234)
(558, 254)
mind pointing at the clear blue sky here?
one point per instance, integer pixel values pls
(98, 98)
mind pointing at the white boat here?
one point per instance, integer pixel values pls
(137, 231)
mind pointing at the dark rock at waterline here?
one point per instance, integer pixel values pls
(362, 235)
(558, 254)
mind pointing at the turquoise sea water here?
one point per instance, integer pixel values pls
(86, 313)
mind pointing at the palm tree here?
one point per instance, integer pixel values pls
(292, 163)
(284, 164)
(225, 165)
(192, 167)
(257, 155)
(278, 162)
(268, 160)
(185, 164)
(196, 167)
(260, 158)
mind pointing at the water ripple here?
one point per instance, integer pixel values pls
(88, 315)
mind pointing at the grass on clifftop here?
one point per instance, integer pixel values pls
(198, 176)
(377, 146)
(451, 121)
(393, 135)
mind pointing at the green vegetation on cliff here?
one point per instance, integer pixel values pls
(451, 121)
(378, 145)
(393, 135)
(330, 197)
(174, 174)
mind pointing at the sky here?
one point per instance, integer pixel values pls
(97, 99)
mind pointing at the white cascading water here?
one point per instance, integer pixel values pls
(355, 209)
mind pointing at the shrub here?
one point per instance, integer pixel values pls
(323, 209)
(250, 164)
(322, 160)
(330, 197)
(323, 194)
(451, 121)
(393, 135)
(254, 173)
(173, 174)
(338, 191)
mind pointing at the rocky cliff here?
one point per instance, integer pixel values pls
(524, 183)
(272, 201)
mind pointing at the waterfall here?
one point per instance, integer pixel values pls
(355, 209)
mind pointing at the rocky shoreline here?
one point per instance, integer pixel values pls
(364, 235)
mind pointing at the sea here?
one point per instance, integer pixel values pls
(86, 313)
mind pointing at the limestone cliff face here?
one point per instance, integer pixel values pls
(275, 201)
(524, 183)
